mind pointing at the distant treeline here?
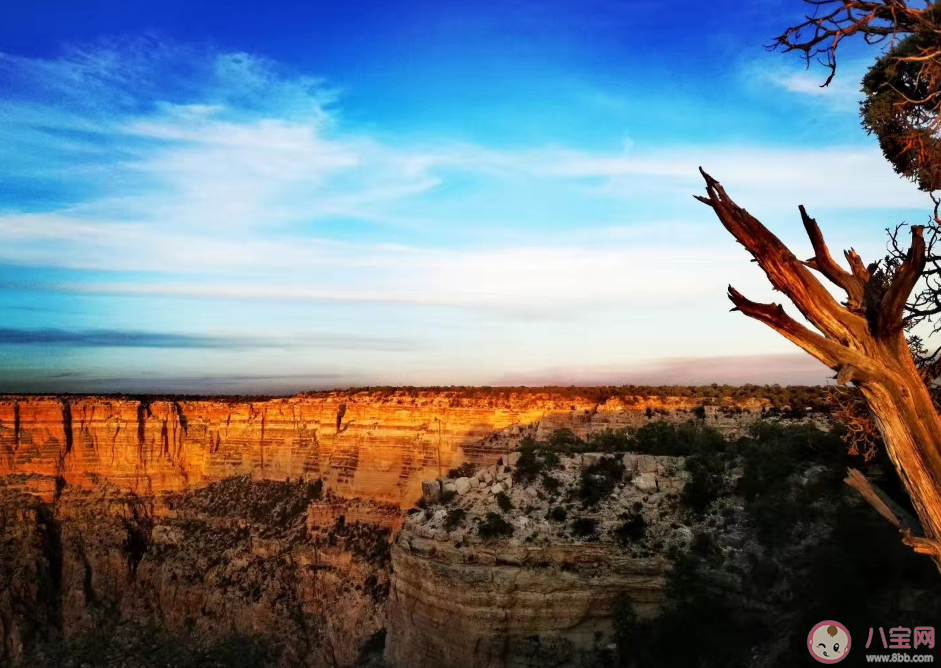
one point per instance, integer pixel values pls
(779, 396)
(813, 397)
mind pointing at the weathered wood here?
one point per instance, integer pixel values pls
(880, 501)
(864, 342)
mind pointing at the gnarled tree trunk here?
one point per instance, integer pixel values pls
(863, 340)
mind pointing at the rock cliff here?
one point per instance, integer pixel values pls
(282, 570)
(364, 444)
(182, 531)
(527, 573)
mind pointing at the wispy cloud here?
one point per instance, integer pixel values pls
(110, 338)
(200, 178)
(841, 95)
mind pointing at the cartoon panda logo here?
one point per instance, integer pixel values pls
(829, 642)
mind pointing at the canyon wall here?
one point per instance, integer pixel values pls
(374, 445)
(499, 607)
(238, 573)
(525, 571)
(189, 530)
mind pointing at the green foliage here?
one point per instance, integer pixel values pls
(562, 439)
(812, 396)
(823, 555)
(447, 496)
(503, 501)
(494, 526)
(659, 437)
(771, 456)
(551, 485)
(275, 503)
(599, 480)
(715, 632)
(706, 481)
(148, 646)
(671, 439)
(584, 527)
(454, 518)
(609, 440)
(465, 470)
(367, 542)
(632, 528)
(535, 458)
(557, 514)
(900, 109)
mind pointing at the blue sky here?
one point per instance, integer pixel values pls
(270, 197)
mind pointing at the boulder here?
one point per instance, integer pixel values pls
(508, 482)
(449, 487)
(496, 489)
(532, 491)
(514, 457)
(646, 464)
(646, 482)
(425, 532)
(630, 462)
(590, 458)
(462, 486)
(487, 478)
(474, 482)
(430, 490)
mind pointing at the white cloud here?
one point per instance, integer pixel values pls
(194, 175)
(226, 172)
(793, 77)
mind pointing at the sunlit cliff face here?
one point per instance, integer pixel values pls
(374, 445)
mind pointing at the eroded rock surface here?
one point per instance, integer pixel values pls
(282, 569)
(544, 593)
(376, 445)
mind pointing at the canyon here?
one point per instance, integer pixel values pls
(362, 444)
(272, 530)
(538, 595)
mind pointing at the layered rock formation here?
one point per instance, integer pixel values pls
(464, 593)
(376, 445)
(283, 571)
(187, 530)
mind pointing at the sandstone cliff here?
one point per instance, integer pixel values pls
(542, 590)
(376, 445)
(283, 571)
(185, 530)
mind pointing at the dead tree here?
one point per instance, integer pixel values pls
(863, 340)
